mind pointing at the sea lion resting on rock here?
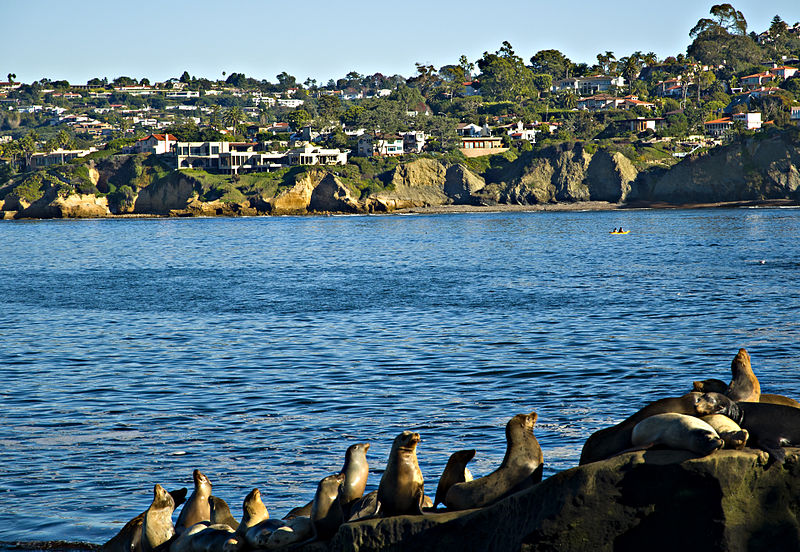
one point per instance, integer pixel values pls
(202, 537)
(521, 468)
(129, 538)
(253, 512)
(198, 507)
(676, 431)
(355, 471)
(609, 441)
(401, 490)
(719, 386)
(454, 472)
(771, 426)
(729, 431)
(221, 513)
(326, 513)
(157, 525)
(744, 384)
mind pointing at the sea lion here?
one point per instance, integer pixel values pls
(258, 535)
(326, 513)
(299, 529)
(254, 512)
(129, 538)
(454, 472)
(356, 471)
(198, 507)
(729, 431)
(202, 537)
(609, 441)
(300, 511)
(157, 525)
(744, 384)
(521, 467)
(719, 386)
(676, 431)
(771, 426)
(221, 513)
(366, 507)
(402, 488)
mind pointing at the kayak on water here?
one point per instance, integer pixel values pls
(623, 232)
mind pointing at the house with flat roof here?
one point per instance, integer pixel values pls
(309, 154)
(382, 145)
(588, 85)
(226, 157)
(56, 157)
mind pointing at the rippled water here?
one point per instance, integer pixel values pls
(257, 350)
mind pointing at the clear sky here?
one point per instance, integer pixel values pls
(322, 39)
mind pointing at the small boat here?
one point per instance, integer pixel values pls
(623, 232)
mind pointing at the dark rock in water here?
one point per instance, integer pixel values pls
(644, 500)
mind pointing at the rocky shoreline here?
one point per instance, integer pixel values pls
(727, 501)
(564, 177)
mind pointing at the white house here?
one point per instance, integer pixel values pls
(588, 85)
(473, 130)
(413, 141)
(794, 116)
(290, 102)
(312, 155)
(383, 145)
(226, 157)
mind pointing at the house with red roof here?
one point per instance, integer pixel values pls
(155, 143)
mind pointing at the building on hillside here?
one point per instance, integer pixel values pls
(588, 85)
(476, 147)
(472, 130)
(57, 157)
(757, 80)
(794, 115)
(641, 124)
(718, 127)
(313, 155)
(521, 131)
(413, 141)
(226, 157)
(634, 101)
(382, 145)
(783, 72)
(599, 102)
(419, 109)
(290, 103)
(157, 144)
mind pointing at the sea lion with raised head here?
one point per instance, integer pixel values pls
(326, 512)
(771, 426)
(676, 431)
(521, 467)
(729, 431)
(365, 507)
(129, 538)
(744, 384)
(609, 441)
(356, 471)
(253, 512)
(402, 488)
(157, 525)
(454, 472)
(221, 513)
(198, 507)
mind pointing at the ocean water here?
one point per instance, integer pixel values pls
(257, 349)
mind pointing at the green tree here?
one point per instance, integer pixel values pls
(11, 77)
(551, 62)
(504, 76)
(185, 78)
(286, 81)
(298, 118)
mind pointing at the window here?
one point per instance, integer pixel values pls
(214, 150)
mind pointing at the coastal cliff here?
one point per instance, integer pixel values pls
(760, 168)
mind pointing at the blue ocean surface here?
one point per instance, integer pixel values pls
(257, 349)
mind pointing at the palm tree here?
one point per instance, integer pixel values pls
(233, 118)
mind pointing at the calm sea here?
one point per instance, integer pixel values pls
(257, 350)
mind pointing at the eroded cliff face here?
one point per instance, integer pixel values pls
(564, 173)
(763, 168)
(427, 182)
(165, 196)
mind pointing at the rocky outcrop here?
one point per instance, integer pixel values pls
(330, 195)
(166, 195)
(662, 499)
(565, 173)
(757, 169)
(427, 182)
(609, 177)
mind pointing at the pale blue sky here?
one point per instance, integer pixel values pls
(80, 39)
